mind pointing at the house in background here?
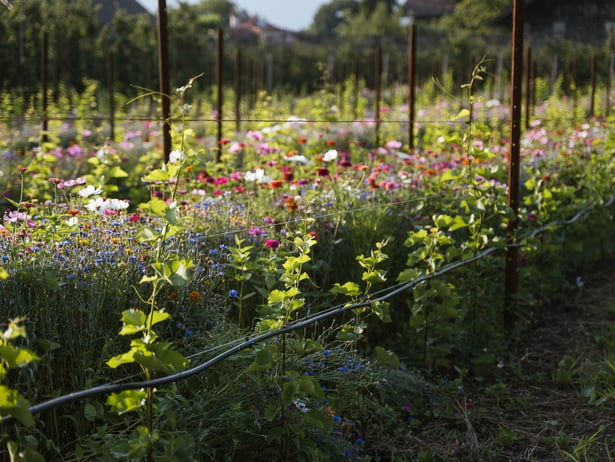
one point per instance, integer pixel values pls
(258, 30)
(587, 21)
(108, 8)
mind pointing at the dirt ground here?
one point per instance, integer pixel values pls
(555, 398)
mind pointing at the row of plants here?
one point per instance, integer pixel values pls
(118, 267)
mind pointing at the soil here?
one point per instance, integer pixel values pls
(541, 406)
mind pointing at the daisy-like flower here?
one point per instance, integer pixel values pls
(176, 156)
(330, 155)
(90, 191)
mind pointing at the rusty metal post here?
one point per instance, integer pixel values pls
(511, 277)
(411, 83)
(111, 89)
(534, 74)
(592, 99)
(44, 78)
(378, 87)
(238, 89)
(355, 90)
(609, 83)
(163, 71)
(528, 87)
(220, 93)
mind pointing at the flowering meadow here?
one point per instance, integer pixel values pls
(118, 268)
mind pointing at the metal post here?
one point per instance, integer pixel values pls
(110, 86)
(378, 86)
(220, 93)
(592, 100)
(411, 83)
(238, 89)
(163, 70)
(609, 83)
(44, 75)
(511, 279)
(528, 87)
(355, 90)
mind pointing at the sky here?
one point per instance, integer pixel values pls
(287, 14)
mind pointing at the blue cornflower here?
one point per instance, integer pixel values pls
(233, 293)
(326, 352)
(213, 252)
(188, 333)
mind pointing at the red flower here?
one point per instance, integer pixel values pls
(273, 184)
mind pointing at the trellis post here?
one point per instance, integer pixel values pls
(511, 276)
(163, 69)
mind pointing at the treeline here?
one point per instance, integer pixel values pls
(341, 42)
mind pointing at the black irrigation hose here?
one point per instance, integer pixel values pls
(250, 342)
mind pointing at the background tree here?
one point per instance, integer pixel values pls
(330, 16)
(369, 6)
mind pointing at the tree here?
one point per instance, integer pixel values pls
(369, 6)
(475, 14)
(330, 16)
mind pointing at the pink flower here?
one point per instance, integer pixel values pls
(272, 243)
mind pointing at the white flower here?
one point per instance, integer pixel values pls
(176, 156)
(100, 205)
(299, 159)
(72, 221)
(94, 204)
(257, 176)
(89, 191)
(329, 155)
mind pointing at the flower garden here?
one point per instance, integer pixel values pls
(329, 293)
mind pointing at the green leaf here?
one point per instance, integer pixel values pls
(175, 272)
(530, 184)
(117, 172)
(157, 316)
(124, 358)
(14, 330)
(160, 357)
(381, 309)
(133, 320)
(443, 221)
(158, 207)
(458, 223)
(276, 296)
(387, 358)
(463, 114)
(263, 360)
(157, 175)
(373, 277)
(126, 401)
(289, 390)
(17, 357)
(351, 289)
(27, 455)
(448, 176)
(12, 403)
